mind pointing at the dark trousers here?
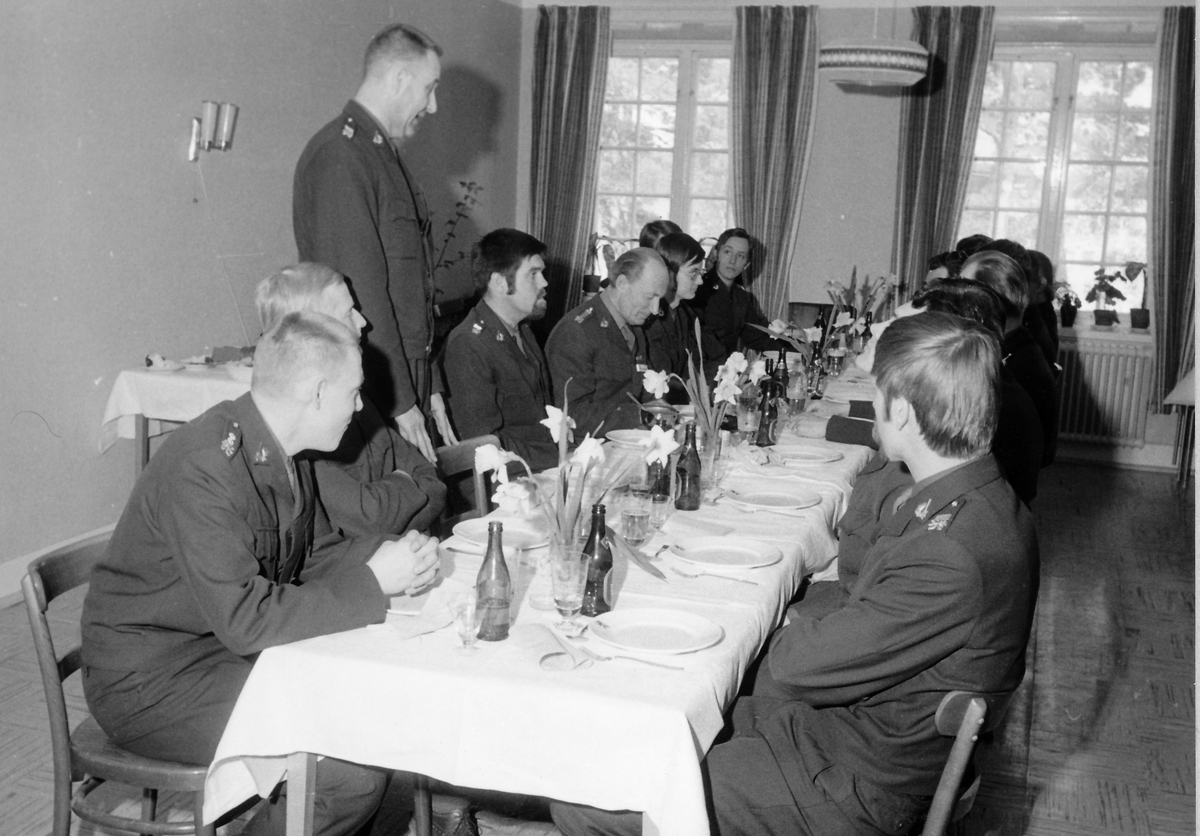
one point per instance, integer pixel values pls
(749, 795)
(178, 712)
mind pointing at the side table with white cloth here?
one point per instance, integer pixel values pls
(617, 734)
(141, 399)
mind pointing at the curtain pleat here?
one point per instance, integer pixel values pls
(1172, 207)
(773, 97)
(570, 67)
(939, 116)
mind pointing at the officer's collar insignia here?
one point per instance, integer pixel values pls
(378, 138)
(923, 509)
(263, 455)
(477, 328)
(348, 129)
(229, 445)
(939, 522)
(499, 338)
(604, 323)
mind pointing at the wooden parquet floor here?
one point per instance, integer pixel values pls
(1101, 739)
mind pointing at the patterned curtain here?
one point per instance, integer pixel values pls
(570, 66)
(938, 119)
(774, 97)
(1172, 210)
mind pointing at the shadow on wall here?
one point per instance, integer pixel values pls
(452, 147)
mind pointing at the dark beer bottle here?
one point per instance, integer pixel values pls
(687, 473)
(597, 594)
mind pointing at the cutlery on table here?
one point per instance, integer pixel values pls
(591, 654)
(700, 574)
(779, 511)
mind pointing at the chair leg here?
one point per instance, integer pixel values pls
(149, 804)
(422, 806)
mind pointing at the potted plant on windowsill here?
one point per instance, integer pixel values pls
(1068, 303)
(1104, 293)
(1139, 317)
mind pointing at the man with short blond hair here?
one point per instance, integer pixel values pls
(212, 561)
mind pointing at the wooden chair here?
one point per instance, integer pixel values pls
(86, 754)
(457, 464)
(963, 715)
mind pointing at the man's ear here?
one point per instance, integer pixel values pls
(901, 411)
(318, 389)
(498, 284)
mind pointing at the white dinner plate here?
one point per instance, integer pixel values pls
(517, 534)
(725, 552)
(653, 630)
(808, 455)
(629, 438)
(788, 501)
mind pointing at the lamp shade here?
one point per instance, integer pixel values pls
(874, 62)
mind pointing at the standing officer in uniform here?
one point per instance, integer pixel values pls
(357, 208)
(600, 349)
(495, 370)
(212, 562)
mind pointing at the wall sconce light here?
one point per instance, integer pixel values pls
(213, 128)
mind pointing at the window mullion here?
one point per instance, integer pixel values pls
(685, 104)
(1055, 193)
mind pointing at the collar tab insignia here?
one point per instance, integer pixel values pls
(263, 456)
(923, 509)
(378, 138)
(348, 129)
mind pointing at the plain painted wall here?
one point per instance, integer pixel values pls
(114, 245)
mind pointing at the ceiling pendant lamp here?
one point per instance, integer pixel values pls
(874, 62)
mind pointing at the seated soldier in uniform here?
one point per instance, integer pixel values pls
(599, 350)
(495, 370)
(838, 734)
(212, 561)
(376, 481)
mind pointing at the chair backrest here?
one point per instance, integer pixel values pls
(50, 574)
(457, 464)
(963, 715)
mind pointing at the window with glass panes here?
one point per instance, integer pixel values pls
(1062, 160)
(664, 141)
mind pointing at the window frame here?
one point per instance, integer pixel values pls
(1067, 58)
(688, 53)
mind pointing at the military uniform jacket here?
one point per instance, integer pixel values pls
(1025, 361)
(357, 209)
(496, 389)
(670, 336)
(213, 551)
(376, 482)
(586, 347)
(944, 601)
(724, 312)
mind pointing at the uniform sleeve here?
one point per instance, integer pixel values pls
(572, 359)
(336, 218)
(919, 610)
(206, 525)
(391, 504)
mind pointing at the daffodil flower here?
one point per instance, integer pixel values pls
(843, 319)
(656, 383)
(733, 366)
(758, 370)
(778, 328)
(490, 457)
(813, 335)
(590, 449)
(554, 423)
(516, 498)
(661, 445)
(726, 390)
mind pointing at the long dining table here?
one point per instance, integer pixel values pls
(619, 734)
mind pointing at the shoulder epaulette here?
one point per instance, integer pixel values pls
(231, 438)
(583, 316)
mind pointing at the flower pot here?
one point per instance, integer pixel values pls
(1105, 319)
(1139, 318)
(1067, 313)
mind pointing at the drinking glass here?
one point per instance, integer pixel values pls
(466, 621)
(635, 516)
(747, 412)
(568, 574)
(660, 508)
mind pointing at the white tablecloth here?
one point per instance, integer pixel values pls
(617, 735)
(177, 396)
